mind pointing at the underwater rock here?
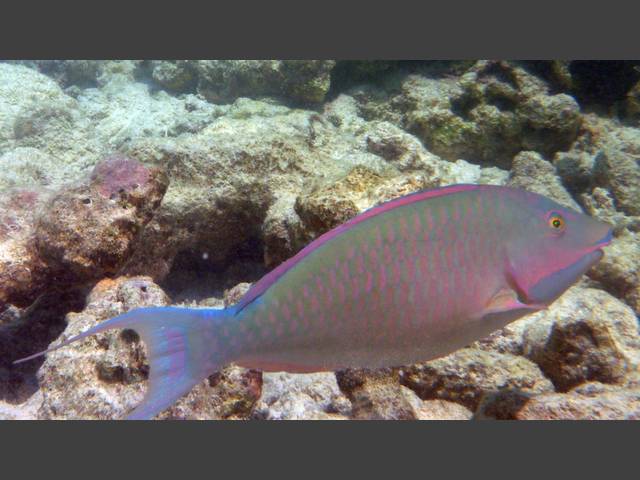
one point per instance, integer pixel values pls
(301, 81)
(576, 169)
(77, 234)
(87, 231)
(486, 116)
(122, 111)
(85, 73)
(586, 335)
(38, 120)
(282, 231)
(468, 374)
(175, 75)
(619, 171)
(508, 339)
(605, 154)
(314, 396)
(104, 376)
(378, 395)
(531, 172)
(230, 394)
(442, 410)
(228, 189)
(402, 150)
(24, 411)
(23, 92)
(77, 131)
(22, 272)
(549, 122)
(29, 168)
(407, 154)
(619, 269)
(632, 103)
(592, 401)
(599, 203)
(338, 202)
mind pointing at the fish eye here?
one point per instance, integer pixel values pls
(556, 222)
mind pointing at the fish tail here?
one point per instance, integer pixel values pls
(182, 350)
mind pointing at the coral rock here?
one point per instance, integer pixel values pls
(304, 81)
(593, 403)
(468, 374)
(586, 335)
(619, 269)
(314, 396)
(87, 231)
(620, 172)
(378, 395)
(531, 172)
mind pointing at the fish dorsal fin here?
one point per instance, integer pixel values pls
(269, 279)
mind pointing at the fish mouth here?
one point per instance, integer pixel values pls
(552, 286)
(606, 240)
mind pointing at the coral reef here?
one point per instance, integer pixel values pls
(133, 183)
(487, 115)
(300, 81)
(77, 234)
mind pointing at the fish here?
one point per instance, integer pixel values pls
(407, 281)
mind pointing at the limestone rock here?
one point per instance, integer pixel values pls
(314, 396)
(531, 172)
(486, 116)
(442, 410)
(468, 374)
(620, 172)
(22, 272)
(88, 230)
(305, 81)
(601, 404)
(586, 335)
(619, 269)
(378, 395)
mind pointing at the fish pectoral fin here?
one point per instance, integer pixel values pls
(506, 300)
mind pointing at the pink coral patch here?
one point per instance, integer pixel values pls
(119, 173)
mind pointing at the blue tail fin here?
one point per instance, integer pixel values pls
(182, 347)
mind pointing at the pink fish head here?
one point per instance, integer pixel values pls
(551, 246)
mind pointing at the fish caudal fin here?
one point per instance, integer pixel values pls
(181, 347)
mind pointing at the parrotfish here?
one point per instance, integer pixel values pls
(408, 281)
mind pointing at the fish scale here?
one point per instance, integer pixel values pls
(410, 280)
(384, 315)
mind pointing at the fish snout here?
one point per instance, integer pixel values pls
(607, 238)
